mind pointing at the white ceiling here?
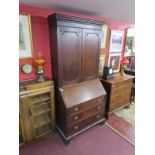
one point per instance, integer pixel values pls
(123, 10)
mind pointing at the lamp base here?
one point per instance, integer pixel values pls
(40, 72)
(41, 78)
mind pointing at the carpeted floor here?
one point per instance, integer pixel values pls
(122, 127)
(127, 113)
(99, 140)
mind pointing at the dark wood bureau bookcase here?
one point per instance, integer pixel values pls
(80, 96)
(118, 92)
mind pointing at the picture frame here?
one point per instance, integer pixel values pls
(104, 37)
(114, 61)
(116, 40)
(101, 64)
(130, 43)
(25, 37)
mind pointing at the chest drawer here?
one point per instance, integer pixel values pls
(86, 114)
(86, 105)
(121, 90)
(122, 84)
(79, 126)
(121, 87)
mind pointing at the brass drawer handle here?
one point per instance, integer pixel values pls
(76, 127)
(76, 109)
(99, 107)
(76, 118)
(99, 100)
(98, 116)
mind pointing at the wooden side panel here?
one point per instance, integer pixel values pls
(70, 54)
(91, 49)
(54, 50)
(25, 119)
(53, 107)
(61, 112)
(107, 88)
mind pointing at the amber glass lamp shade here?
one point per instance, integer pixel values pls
(39, 62)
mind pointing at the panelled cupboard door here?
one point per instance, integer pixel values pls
(91, 49)
(69, 43)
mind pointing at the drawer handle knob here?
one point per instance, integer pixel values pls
(76, 109)
(76, 118)
(98, 116)
(98, 107)
(99, 100)
(76, 127)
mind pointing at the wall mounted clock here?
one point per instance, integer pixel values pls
(27, 68)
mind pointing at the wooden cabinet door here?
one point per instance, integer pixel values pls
(91, 50)
(70, 55)
(42, 109)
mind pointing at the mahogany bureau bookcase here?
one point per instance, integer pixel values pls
(118, 92)
(80, 96)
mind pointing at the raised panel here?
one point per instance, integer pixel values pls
(91, 49)
(70, 53)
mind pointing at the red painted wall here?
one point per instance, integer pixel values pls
(40, 35)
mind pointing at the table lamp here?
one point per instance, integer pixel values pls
(39, 62)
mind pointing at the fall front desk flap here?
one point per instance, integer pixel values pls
(82, 92)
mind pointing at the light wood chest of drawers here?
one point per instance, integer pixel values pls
(118, 91)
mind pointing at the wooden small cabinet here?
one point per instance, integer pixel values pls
(37, 110)
(118, 91)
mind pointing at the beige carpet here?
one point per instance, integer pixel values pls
(127, 113)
